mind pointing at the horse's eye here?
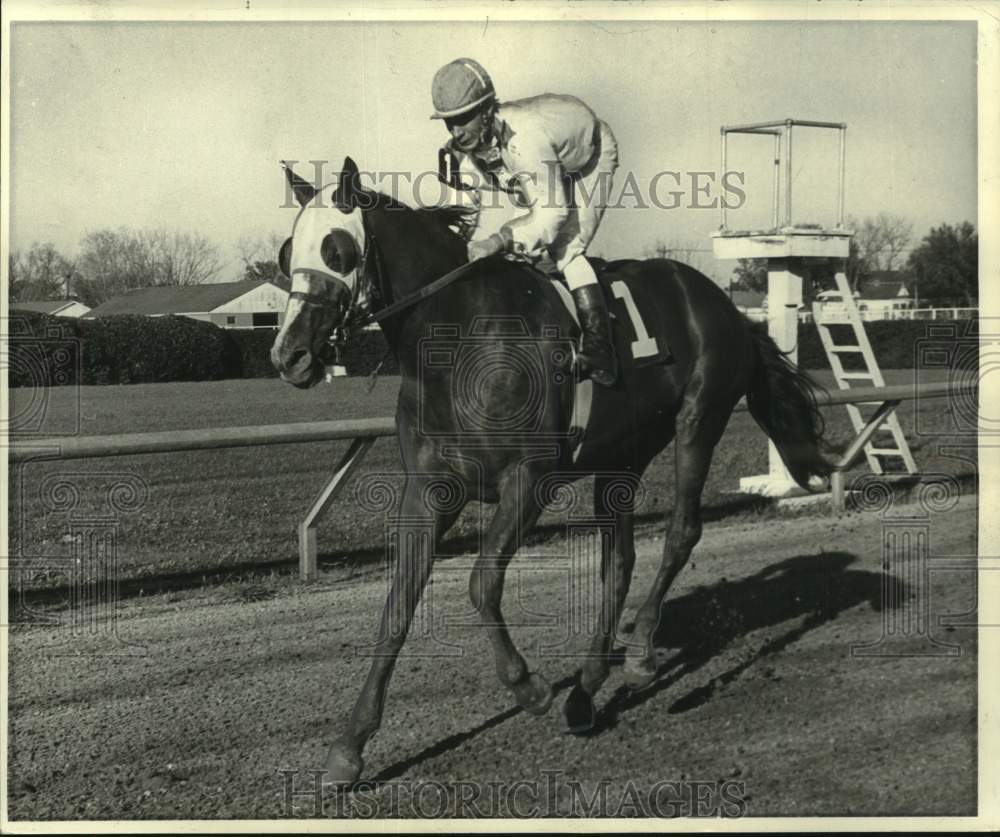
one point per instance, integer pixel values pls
(339, 252)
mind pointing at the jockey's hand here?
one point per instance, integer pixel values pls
(499, 242)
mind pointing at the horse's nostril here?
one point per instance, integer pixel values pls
(297, 357)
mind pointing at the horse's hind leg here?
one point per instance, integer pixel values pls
(515, 514)
(414, 557)
(699, 428)
(617, 561)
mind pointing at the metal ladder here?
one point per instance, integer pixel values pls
(881, 445)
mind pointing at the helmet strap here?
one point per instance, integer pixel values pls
(489, 117)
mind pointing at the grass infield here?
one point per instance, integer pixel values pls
(213, 515)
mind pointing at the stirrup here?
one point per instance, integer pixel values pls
(599, 374)
(604, 377)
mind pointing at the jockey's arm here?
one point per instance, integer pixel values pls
(540, 174)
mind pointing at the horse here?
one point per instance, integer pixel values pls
(355, 254)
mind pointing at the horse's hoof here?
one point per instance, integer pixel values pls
(534, 694)
(343, 766)
(638, 673)
(581, 715)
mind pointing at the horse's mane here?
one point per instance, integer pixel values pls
(450, 219)
(461, 220)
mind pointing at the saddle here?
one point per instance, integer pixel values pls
(604, 268)
(637, 344)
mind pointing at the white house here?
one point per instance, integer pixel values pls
(884, 293)
(52, 307)
(248, 304)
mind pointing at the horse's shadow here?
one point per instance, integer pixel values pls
(701, 624)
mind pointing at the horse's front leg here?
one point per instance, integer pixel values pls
(515, 515)
(414, 557)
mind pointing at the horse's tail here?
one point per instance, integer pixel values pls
(782, 400)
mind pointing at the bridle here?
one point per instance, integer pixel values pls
(364, 294)
(370, 297)
(370, 294)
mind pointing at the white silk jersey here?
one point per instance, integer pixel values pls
(537, 144)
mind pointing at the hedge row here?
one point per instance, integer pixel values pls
(897, 344)
(50, 351)
(130, 349)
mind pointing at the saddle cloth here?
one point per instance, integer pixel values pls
(633, 352)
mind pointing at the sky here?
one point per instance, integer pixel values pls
(182, 125)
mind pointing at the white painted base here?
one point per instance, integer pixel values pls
(793, 501)
(768, 485)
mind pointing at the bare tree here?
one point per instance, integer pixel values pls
(258, 247)
(259, 254)
(180, 258)
(41, 272)
(878, 244)
(113, 262)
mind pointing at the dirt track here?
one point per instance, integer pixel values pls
(220, 691)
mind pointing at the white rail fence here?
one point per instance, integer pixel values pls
(835, 315)
(363, 433)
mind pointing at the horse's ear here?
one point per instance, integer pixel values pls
(303, 190)
(348, 186)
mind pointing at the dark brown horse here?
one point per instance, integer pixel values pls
(489, 398)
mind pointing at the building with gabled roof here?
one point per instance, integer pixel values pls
(251, 303)
(885, 291)
(52, 307)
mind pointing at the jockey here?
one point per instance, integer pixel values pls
(553, 156)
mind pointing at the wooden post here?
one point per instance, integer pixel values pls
(307, 528)
(837, 491)
(784, 298)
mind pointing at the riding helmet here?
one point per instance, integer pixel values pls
(459, 86)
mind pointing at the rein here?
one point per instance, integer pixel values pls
(356, 318)
(375, 291)
(351, 321)
(426, 291)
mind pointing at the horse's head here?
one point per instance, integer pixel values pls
(332, 263)
(324, 258)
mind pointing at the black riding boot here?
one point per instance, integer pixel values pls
(597, 358)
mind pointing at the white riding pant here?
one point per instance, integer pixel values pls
(591, 192)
